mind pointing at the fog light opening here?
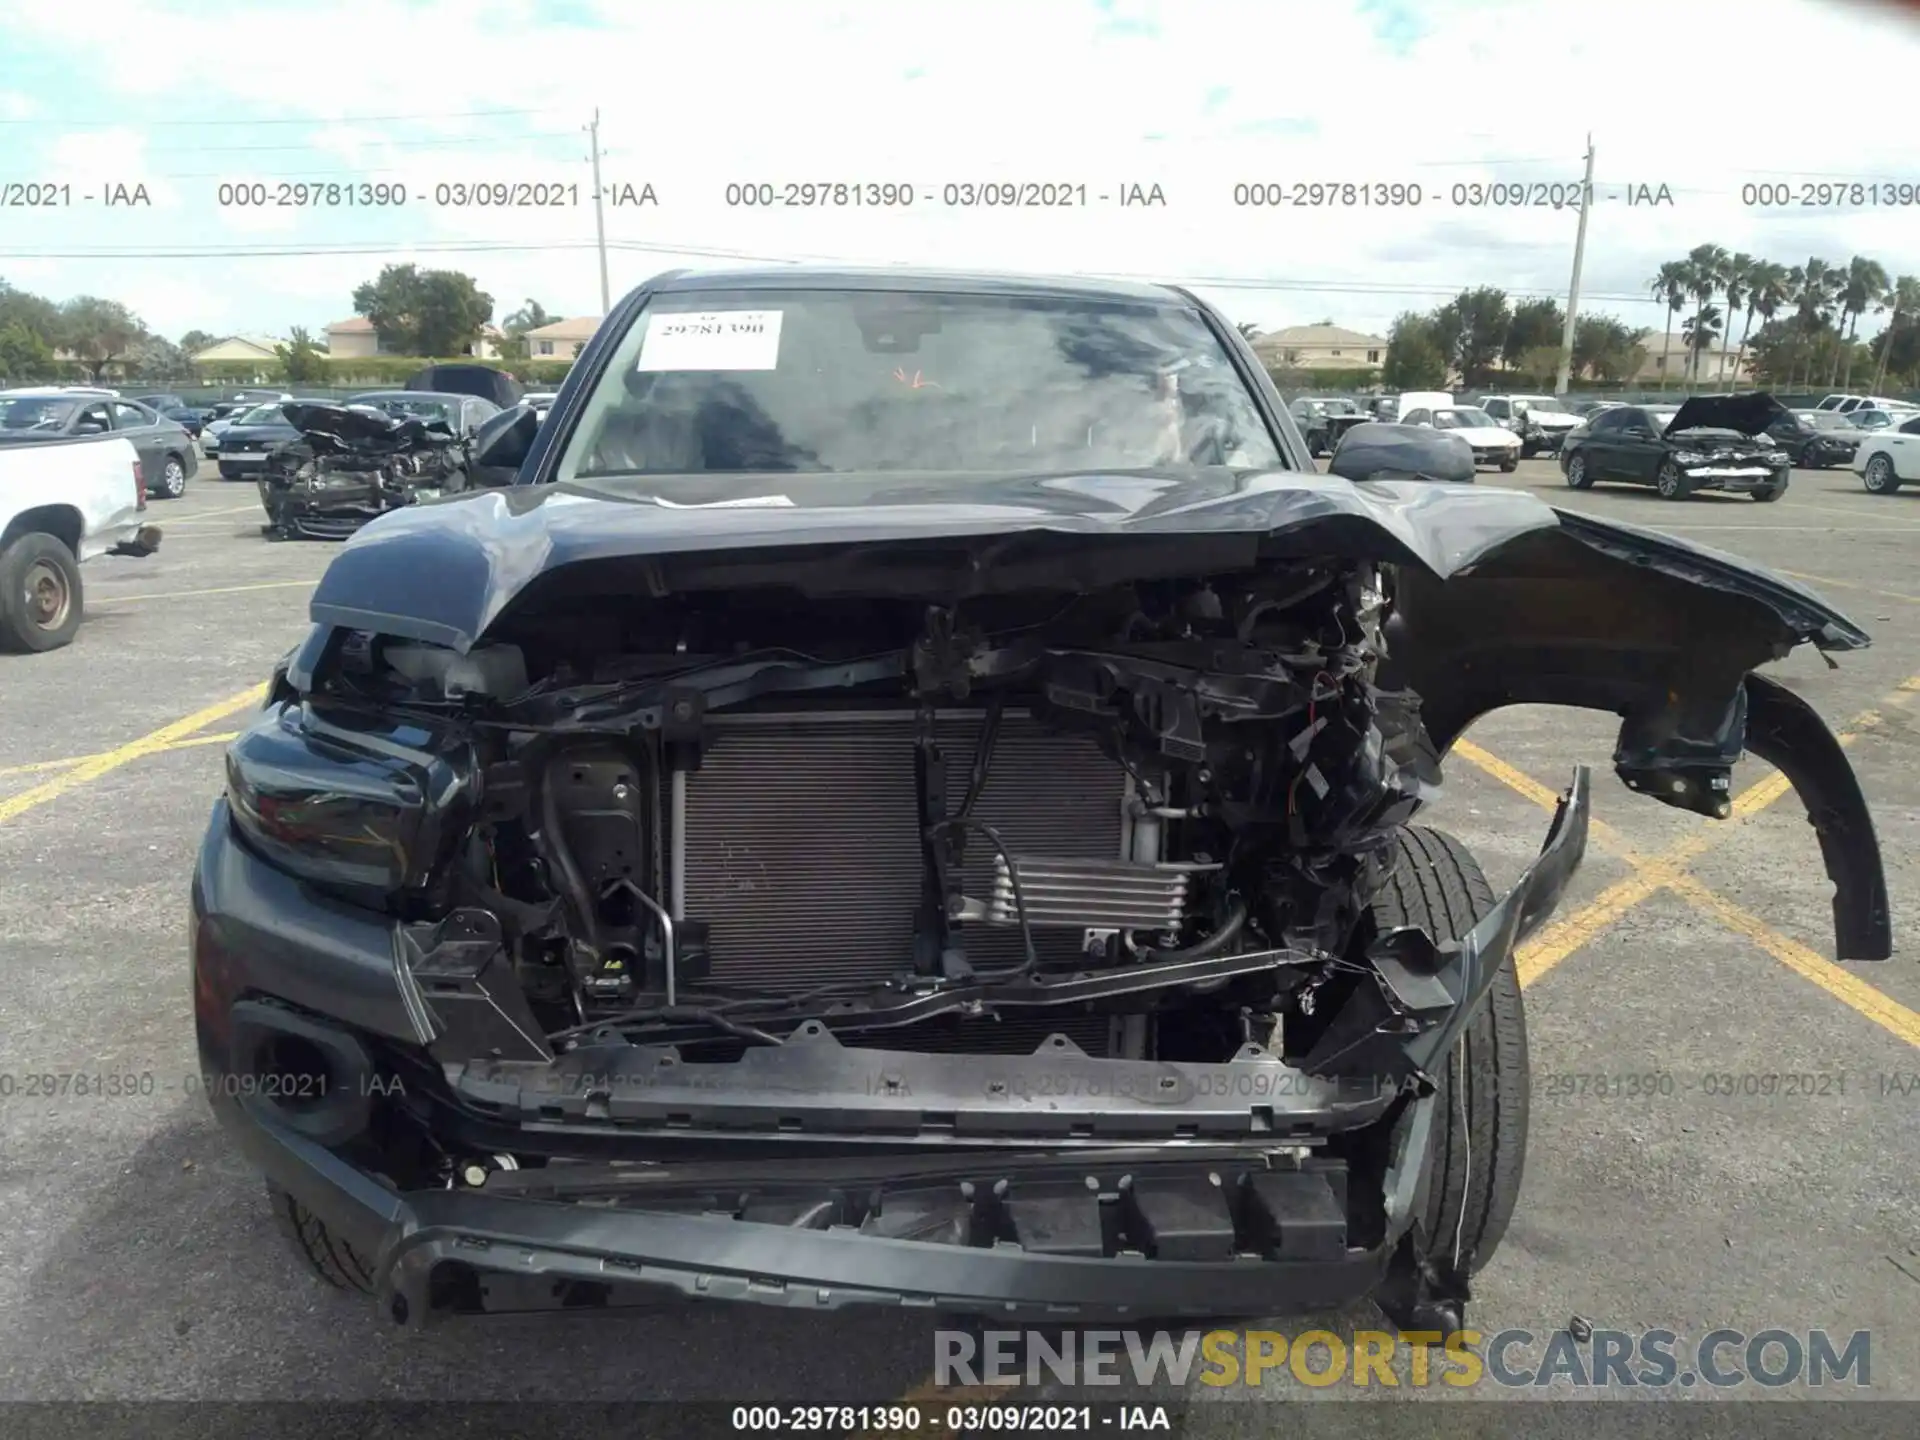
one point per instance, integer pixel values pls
(294, 1072)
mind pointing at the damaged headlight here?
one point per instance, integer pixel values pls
(1689, 457)
(349, 810)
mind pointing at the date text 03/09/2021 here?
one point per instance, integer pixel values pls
(907, 1418)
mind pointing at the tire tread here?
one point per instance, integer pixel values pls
(1437, 884)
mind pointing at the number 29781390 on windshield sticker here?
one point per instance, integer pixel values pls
(712, 340)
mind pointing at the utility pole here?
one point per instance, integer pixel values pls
(600, 219)
(1573, 289)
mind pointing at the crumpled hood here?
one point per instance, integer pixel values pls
(1749, 414)
(444, 571)
(360, 424)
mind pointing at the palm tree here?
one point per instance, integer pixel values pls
(1669, 285)
(1706, 271)
(1904, 296)
(1864, 284)
(1739, 272)
(1701, 329)
(1248, 330)
(1811, 288)
(1766, 286)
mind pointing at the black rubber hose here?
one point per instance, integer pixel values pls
(992, 837)
(573, 884)
(1213, 944)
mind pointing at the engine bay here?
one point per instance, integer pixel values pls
(1148, 819)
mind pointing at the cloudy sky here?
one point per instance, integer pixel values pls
(1726, 106)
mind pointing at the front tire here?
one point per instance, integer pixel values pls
(1578, 477)
(40, 594)
(1878, 477)
(1671, 484)
(326, 1254)
(173, 478)
(1509, 465)
(1480, 1143)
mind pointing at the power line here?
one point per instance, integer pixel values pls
(141, 123)
(391, 144)
(271, 250)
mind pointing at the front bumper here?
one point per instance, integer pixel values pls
(301, 511)
(1736, 477)
(816, 1175)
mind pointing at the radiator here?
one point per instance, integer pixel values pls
(802, 846)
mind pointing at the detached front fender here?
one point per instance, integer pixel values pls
(1668, 636)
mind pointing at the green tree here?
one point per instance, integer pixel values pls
(424, 312)
(1473, 326)
(531, 316)
(1904, 297)
(33, 313)
(304, 362)
(154, 357)
(1669, 285)
(1765, 291)
(1415, 358)
(1536, 325)
(24, 352)
(98, 332)
(197, 340)
(1248, 330)
(1738, 275)
(1706, 270)
(1699, 331)
(1812, 289)
(1603, 347)
(1864, 286)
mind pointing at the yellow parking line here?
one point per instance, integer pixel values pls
(1560, 938)
(1840, 983)
(1852, 585)
(94, 767)
(40, 767)
(195, 594)
(1667, 872)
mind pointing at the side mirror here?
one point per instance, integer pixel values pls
(501, 445)
(1375, 451)
(90, 427)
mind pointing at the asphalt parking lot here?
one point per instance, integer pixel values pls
(140, 1259)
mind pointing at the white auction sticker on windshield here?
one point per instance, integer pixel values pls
(712, 340)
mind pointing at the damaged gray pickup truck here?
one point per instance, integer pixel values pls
(910, 800)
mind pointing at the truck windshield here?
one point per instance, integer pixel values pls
(826, 381)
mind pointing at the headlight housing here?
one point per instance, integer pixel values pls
(368, 810)
(1689, 457)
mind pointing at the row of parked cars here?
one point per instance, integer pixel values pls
(78, 464)
(1748, 443)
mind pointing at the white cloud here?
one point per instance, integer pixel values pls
(1194, 96)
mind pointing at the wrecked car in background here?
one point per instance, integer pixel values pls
(356, 461)
(913, 800)
(1710, 442)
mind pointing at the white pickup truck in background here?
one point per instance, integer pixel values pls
(63, 502)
